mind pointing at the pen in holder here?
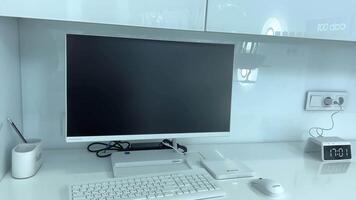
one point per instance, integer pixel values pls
(26, 158)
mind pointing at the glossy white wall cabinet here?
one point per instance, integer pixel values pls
(182, 14)
(308, 19)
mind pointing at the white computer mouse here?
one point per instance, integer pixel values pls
(268, 187)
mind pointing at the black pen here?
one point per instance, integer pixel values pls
(17, 130)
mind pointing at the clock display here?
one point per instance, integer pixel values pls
(339, 152)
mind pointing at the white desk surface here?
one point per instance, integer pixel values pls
(302, 176)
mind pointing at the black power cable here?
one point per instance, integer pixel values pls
(103, 150)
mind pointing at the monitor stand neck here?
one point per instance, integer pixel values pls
(157, 145)
(147, 146)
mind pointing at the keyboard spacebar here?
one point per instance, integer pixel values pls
(198, 196)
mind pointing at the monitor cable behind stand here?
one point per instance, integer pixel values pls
(103, 150)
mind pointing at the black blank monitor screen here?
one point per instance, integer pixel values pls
(121, 86)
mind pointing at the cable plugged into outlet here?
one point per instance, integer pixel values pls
(329, 101)
(325, 101)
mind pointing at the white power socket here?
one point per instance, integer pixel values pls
(326, 100)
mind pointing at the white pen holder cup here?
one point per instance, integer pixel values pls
(26, 158)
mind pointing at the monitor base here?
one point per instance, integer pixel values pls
(128, 159)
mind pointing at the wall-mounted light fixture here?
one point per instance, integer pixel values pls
(273, 26)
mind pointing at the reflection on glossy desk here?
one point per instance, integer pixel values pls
(302, 176)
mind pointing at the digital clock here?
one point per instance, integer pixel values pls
(331, 148)
(337, 152)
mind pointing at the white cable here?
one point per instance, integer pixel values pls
(175, 149)
(320, 131)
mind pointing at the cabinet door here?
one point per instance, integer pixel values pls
(178, 14)
(304, 18)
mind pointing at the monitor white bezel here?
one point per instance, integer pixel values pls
(131, 137)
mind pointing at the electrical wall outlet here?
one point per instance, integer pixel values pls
(325, 100)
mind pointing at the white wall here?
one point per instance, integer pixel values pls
(269, 110)
(10, 91)
(272, 109)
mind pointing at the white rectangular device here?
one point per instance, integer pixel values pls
(142, 158)
(227, 169)
(330, 148)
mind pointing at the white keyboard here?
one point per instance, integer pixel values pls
(179, 185)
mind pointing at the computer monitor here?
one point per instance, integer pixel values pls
(134, 89)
